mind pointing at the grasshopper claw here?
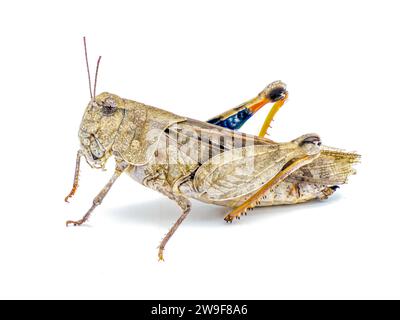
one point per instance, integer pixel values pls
(70, 195)
(160, 255)
(228, 219)
(75, 223)
(72, 192)
(66, 199)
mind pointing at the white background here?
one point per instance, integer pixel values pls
(340, 60)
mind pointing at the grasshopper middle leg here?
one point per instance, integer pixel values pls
(185, 205)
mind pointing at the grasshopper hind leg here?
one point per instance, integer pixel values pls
(256, 198)
(236, 117)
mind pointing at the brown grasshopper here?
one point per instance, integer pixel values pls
(184, 158)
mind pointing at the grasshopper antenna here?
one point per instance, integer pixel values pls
(95, 77)
(87, 67)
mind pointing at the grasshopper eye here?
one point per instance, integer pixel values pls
(313, 139)
(108, 107)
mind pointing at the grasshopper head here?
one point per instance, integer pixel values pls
(309, 143)
(99, 127)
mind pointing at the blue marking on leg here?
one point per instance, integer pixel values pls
(233, 122)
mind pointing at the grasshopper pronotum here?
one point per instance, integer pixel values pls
(209, 161)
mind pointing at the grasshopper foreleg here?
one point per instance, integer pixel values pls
(120, 167)
(185, 205)
(76, 176)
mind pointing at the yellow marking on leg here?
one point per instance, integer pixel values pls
(275, 108)
(255, 198)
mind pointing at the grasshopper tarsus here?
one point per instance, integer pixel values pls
(75, 223)
(70, 195)
(160, 255)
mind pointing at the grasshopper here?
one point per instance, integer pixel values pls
(211, 161)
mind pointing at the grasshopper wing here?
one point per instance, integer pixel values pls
(240, 171)
(332, 167)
